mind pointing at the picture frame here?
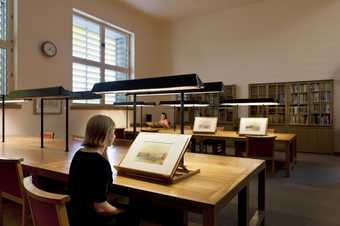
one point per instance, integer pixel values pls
(51, 107)
(155, 156)
(205, 125)
(253, 126)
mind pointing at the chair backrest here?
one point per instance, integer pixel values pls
(49, 135)
(119, 133)
(11, 176)
(261, 146)
(46, 208)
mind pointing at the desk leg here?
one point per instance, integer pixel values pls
(209, 217)
(295, 150)
(193, 145)
(262, 194)
(288, 159)
(243, 206)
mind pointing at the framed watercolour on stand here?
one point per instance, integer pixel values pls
(157, 157)
(253, 126)
(205, 125)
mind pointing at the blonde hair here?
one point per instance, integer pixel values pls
(99, 131)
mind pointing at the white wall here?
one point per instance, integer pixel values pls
(41, 20)
(267, 41)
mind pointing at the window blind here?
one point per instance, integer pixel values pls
(100, 53)
(86, 39)
(84, 77)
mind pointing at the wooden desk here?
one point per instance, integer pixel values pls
(287, 139)
(220, 180)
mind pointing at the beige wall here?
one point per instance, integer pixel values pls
(267, 41)
(41, 20)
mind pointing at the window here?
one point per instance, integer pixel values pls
(5, 44)
(101, 52)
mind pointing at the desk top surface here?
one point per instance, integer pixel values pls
(219, 180)
(219, 134)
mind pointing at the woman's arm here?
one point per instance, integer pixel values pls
(105, 208)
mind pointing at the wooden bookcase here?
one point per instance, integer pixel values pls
(306, 108)
(227, 116)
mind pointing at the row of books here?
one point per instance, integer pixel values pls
(301, 98)
(276, 118)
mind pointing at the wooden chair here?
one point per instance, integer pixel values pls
(261, 148)
(11, 187)
(49, 135)
(46, 208)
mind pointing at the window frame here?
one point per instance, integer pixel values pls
(8, 44)
(101, 64)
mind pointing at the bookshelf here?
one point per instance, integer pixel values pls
(306, 108)
(305, 103)
(227, 116)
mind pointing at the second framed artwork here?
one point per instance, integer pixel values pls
(51, 107)
(205, 125)
(253, 126)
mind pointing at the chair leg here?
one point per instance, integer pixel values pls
(1, 211)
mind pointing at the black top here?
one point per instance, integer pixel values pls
(90, 178)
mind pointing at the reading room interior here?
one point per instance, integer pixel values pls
(169, 113)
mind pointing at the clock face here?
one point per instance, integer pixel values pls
(49, 49)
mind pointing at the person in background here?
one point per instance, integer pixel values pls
(164, 120)
(90, 178)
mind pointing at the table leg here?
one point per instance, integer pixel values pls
(193, 145)
(209, 216)
(295, 150)
(262, 194)
(243, 206)
(288, 159)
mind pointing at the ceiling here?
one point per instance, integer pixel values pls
(178, 9)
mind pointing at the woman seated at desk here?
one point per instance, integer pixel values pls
(164, 121)
(90, 177)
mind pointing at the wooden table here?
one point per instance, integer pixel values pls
(286, 139)
(220, 180)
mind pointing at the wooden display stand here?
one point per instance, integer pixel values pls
(179, 173)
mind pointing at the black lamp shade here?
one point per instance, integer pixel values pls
(138, 104)
(50, 92)
(208, 87)
(249, 102)
(57, 92)
(154, 84)
(176, 103)
(85, 95)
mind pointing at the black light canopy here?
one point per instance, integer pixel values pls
(177, 103)
(84, 95)
(250, 102)
(49, 92)
(154, 84)
(130, 104)
(208, 87)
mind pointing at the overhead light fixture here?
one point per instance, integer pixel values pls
(138, 104)
(177, 103)
(49, 92)
(15, 101)
(84, 95)
(250, 102)
(208, 87)
(154, 84)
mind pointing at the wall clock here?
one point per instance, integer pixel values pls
(49, 49)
